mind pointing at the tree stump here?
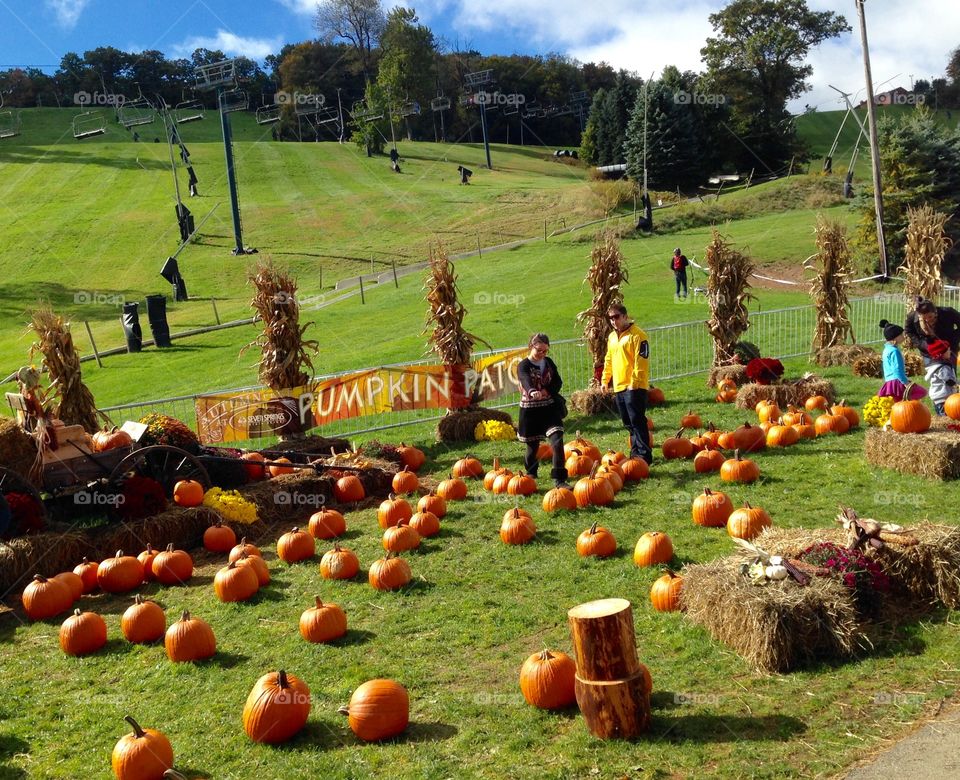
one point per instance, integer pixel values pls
(612, 686)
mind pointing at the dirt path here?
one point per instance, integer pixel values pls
(931, 751)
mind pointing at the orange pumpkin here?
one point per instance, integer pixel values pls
(348, 490)
(411, 457)
(401, 537)
(468, 467)
(111, 439)
(521, 484)
(491, 475)
(517, 527)
(613, 474)
(711, 508)
(796, 416)
(392, 510)
(453, 489)
(146, 753)
(578, 464)
(677, 447)
(433, 503)
(951, 407)
(323, 622)
(652, 548)
(665, 593)
(120, 573)
(73, 582)
(655, 396)
(805, 430)
(597, 541)
(189, 639)
(327, 524)
(781, 435)
(634, 469)
(559, 498)
(707, 461)
(583, 446)
(146, 560)
(909, 416)
(219, 538)
(87, 570)
(295, 546)
(188, 492)
(737, 469)
(389, 572)
(43, 598)
(277, 708)
(340, 563)
(83, 633)
(749, 438)
(405, 481)
(378, 709)
(747, 522)
(172, 567)
(143, 621)
(768, 411)
(235, 583)
(691, 421)
(243, 548)
(815, 402)
(425, 523)
(831, 423)
(252, 466)
(257, 565)
(593, 490)
(280, 466)
(547, 680)
(727, 396)
(611, 456)
(847, 411)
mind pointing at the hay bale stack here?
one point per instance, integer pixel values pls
(870, 366)
(776, 627)
(182, 526)
(313, 445)
(290, 498)
(459, 424)
(736, 372)
(842, 354)
(784, 394)
(18, 450)
(593, 401)
(47, 554)
(934, 454)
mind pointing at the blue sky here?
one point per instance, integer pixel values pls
(640, 35)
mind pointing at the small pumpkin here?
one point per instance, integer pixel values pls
(258, 565)
(613, 474)
(411, 457)
(189, 639)
(749, 438)
(219, 538)
(665, 592)
(547, 680)
(582, 445)
(146, 559)
(349, 490)
(747, 522)
(707, 461)
(389, 572)
(593, 490)
(909, 416)
(243, 548)
(544, 451)
(796, 416)
(327, 524)
(951, 407)
(559, 498)
(120, 573)
(727, 396)
(143, 621)
(502, 483)
(277, 708)
(280, 467)
(323, 622)
(677, 447)
(517, 527)
(83, 633)
(711, 508)
(144, 755)
(87, 570)
(737, 469)
(172, 567)
(436, 505)
(653, 548)
(425, 523)
(340, 563)
(401, 537)
(453, 489)
(235, 583)
(187, 493)
(72, 581)
(805, 430)
(596, 541)
(781, 435)
(612, 456)
(495, 471)
(691, 421)
(295, 546)
(43, 598)
(768, 411)
(392, 510)
(378, 709)
(468, 467)
(521, 484)
(853, 417)
(635, 469)
(831, 423)
(405, 481)
(253, 466)
(815, 402)
(578, 464)
(655, 396)
(111, 439)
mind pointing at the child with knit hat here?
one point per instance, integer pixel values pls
(894, 369)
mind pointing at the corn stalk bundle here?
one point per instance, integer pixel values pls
(75, 404)
(829, 286)
(927, 243)
(451, 343)
(606, 278)
(283, 349)
(728, 288)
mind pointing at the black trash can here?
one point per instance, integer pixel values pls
(157, 315)
(130, 320)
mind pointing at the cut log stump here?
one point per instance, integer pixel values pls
(617, 709)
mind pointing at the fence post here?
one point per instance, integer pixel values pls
(395, 282)
(479, 249)
(93, 344)
(216, 314)
(544, 230)
(362, 299)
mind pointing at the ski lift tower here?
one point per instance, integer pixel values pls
(474, 81)
(579, 100)
(221, 77)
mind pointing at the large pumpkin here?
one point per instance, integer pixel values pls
(143, 621)
(295, 546)
(559, 498)
(517, 527)
(277, 708)
(749, 438)
(596, 540)
(432, 503)
(583, 446)
(909, 416)
(219, 538)
(747, 522)
(144, 755)
(849, 412)
(425, 523)
(405, 481)
(411, 457)
(831, 423)
(327, 524)
(521, 484)
(378, 709)
(172, 567)
(348, 490)
(677, 447)
(578, 464)
(706, 461)
(665, 593)
(468, 467)
(401, 537)
(340, 563)
(737, 469)
(547, 680)
(453, 489)
(188, 492)
(711, 508)
(252, 466)
(389, 573)
(323, 622)
(634, 469)
(652, 548)
(73, 582)
(951, 407)
(392, 510)
(243, 548)
(782, 435)
(120, 573)
(189, 639)
(593, 490)
(691, 421)
(256, 564)
(83, 633)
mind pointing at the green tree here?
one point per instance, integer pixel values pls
(588, 143)
(360, 22)
(756, 61)
(408, 50)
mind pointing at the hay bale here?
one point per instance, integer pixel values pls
(784, 394)
(314, 445)
(47, 554)
(842, 354)
(736, 372)
(870, 366)
(776, 627)
(934, 454)
(18, 450)
(290, 498)
(914, 365)
(459, 424)
(181, 526)
(593, 401)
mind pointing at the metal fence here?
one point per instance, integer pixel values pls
(676, 350)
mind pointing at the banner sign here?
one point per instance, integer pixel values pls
(254, 414)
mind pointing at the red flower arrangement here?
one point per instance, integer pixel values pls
(142, 497)
(764, 371)
(24, 515)
(863, 576)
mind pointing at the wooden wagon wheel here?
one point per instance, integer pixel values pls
(164, 464)
(13, 482)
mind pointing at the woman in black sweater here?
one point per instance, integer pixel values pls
(540, 411)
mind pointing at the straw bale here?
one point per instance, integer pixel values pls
(776, 627)
(736, 372)
(290, 498)
(842, 354)
(18, 450)
(870, 366)
(784, 394)
(593, 401)
(459, 424)
(934, 454)
(46, 554)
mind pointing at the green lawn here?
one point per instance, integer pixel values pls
(457, 635)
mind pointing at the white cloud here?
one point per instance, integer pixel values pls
(229, 43)
(305, 7)
(67, 11)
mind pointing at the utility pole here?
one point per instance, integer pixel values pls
(874, 143)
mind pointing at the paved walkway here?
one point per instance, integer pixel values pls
(932, 751)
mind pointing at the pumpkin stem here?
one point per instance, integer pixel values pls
(170, 547)
(282, 680)
(746, 505)
(138, 599)
(76, 612)
(546, 655)
(343, 710)
(137, 731)
(319, 602)
(185, 615)
(593, 530)
(119, 554)
(707, 491)
(39, 578)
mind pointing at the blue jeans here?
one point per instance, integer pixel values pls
(681, 278)
(632, 405)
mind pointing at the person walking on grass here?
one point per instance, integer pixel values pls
(626, 371)
(542, 408)
(894, 369)
(935, 330)
(678, 264)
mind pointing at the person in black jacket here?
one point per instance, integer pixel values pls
(678, 264)
(936, 332)
(541, 414)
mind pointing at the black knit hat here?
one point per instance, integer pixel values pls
(890, 331)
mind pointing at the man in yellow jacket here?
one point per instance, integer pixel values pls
(626, 370)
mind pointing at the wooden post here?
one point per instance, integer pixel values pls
(544, 230)
(216, 314)
(479, 249)
(612, 686)
(93, 344)
(362, 300)
(395, 282)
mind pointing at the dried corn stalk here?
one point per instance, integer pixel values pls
(606, 278)
(451, 343)
(829, 287)
(927, 243)
(283, 349)
(75, 404)
(728, 288)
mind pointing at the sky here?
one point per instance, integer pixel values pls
(907, 40)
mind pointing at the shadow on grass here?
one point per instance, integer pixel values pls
(11, 746)
(224, 660)
(353, 637)
(724, 728)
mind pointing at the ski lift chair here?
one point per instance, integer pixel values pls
(234, 100)
(88, 124)
(188, 111)
(267, 115)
